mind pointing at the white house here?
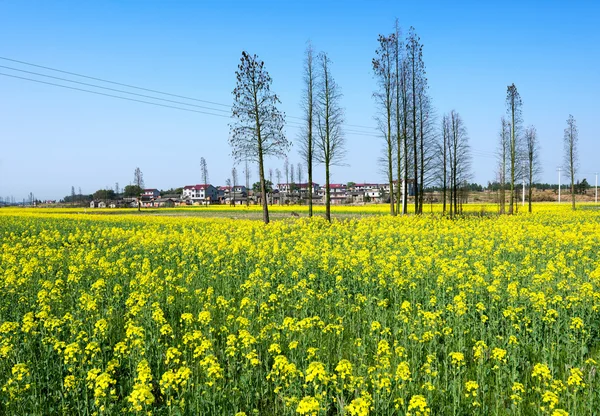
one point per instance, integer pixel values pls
(200, 194)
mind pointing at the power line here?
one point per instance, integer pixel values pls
(114, 89)
(113, 82)
(114, 96)
(142, 88)
(148, 102)
(291, 123)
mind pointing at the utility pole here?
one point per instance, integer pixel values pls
(559, 185)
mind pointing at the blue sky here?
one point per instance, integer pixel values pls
(52, 138)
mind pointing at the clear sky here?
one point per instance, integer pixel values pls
(53, 138)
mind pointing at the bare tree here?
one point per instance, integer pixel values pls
(286, 169)
(383, 67)
(401, 117)
(427, 138)
(278, 176)
(444, 158)
(503, 152)
(414, 56)
(307, 134)
(292, 174)
(138, 180)
(258, 127)
(571, 137)
(271, 180)
(459, 159)
(247, 176)
(292, 180)
(234, 180)
(299, 176)
(533, 165)
(204, 171)
(330, 116)
(514, 110)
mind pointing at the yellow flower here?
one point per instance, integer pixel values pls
(316, 373)
(499, 354)
(541, 372)
(417, 406)
(576, 378)
(457, 358)
(308, 406)
(403, 371)
(344, 369)
(359, 406)
(471, 388)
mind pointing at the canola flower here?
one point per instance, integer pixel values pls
(122, 314)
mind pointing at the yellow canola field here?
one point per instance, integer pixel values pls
(122, 314)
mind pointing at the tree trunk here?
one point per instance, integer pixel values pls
(310, 178)
(414, 125)
(327, 193)
(389, 157)
(444, 171)
(263, 188)
(513, 155)
(530, 190)
(422, 153)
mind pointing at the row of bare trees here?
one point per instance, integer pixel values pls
(405, 116)
(416, 149)
(257, 129)
(518, 153)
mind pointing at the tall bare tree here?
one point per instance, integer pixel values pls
(330, 116)
(299, 176)
(286, 170)
(514, 110)
(258, 127)
(271, 180)
(204, 170)
(415, 67)
(571, 138)
(234, 180)
(292, 174)
(138, 180)
(444, 158)
(459, 158)
(383, 67)
(533, 165)
(503, 152)
(427, 137)
(401, 105)
(278, 176)
(247, 176)
(307, 145)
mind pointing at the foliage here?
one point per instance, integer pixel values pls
(132, 191)
(104, 194)
(268, 186)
